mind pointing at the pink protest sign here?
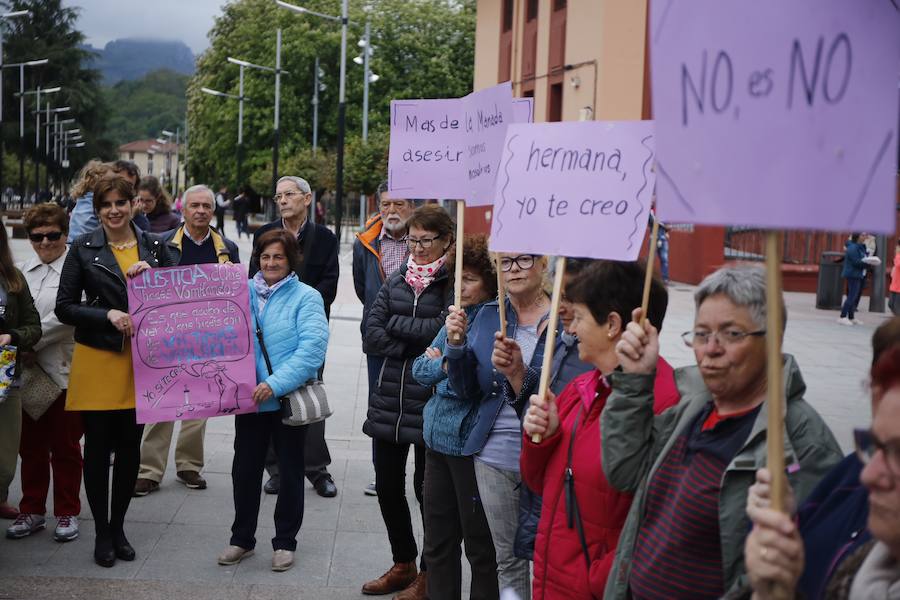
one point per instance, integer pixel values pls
(486, 115)
(192, 351)
(425, 157)
(776, 114)
(576, 189)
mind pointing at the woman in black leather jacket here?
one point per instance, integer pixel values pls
(407, 313)
(101, 381)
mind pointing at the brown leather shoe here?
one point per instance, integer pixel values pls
(396, 579)
(417, 590)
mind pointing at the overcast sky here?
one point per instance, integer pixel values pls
(186, 20)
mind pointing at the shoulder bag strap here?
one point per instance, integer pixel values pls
(262, 344)
(573, 514)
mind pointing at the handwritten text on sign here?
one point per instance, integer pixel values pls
(776, 114)
(428, 155)
(487, 114)
(578, 189)
(192, 351)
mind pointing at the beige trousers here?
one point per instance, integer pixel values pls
(158, 439)
(10, 433)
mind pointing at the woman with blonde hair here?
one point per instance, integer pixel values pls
(83, 218)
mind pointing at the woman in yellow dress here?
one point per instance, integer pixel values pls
(101, 381)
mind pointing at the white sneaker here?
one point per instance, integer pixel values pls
(66, 529)
(370, 490)
(845, 321)
(856, 321)
(25, 525)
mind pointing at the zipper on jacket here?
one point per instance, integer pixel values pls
(400, 414)
(116, 275)
(381, 373)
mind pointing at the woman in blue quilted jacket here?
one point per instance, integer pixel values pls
(295, 334)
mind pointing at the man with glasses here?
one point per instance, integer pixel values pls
(379, 250)
(318, 268)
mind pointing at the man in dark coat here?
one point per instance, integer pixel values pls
(319, 269)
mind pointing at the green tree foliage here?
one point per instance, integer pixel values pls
(51, 33)
(422, 49)
(142, 108)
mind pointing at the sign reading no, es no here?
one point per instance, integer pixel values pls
(776, 114)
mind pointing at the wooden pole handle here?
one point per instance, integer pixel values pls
(651, 266)
(550, 338)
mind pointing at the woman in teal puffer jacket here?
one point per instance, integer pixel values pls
(291, 316)
(452, 507)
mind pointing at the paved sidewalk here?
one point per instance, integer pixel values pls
(178, 533)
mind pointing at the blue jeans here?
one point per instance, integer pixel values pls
(663, 251)
(854, 287)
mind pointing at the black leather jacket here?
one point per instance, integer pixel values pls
(91, 268)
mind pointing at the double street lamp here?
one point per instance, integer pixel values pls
(3, 18)
(21, 66)
(240, 139)
(37, 128)
(342, 104)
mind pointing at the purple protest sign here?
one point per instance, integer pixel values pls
(576, 189)
(192, 352)
(523, 110)
(486, 115)
(776, 114)
(425, 157)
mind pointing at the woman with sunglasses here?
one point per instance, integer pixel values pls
(101, 381)
(820, 551)
(407, 314)
(53, 439)
(496, 437)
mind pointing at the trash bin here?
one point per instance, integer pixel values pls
(830, 287)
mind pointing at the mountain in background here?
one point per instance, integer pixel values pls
(142, 108)
(130, 59)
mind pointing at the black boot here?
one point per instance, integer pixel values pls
(104, 555)
(123, 549)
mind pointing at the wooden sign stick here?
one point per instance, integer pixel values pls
(460, 231)
(651, 267)
(501, 294)
(775, 437)
(550, 339)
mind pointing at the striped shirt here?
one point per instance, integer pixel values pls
(678, 550)
(393, 252)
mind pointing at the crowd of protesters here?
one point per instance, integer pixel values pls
(626, 479)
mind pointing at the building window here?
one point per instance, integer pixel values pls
(559, 4)
(131, 156)
(532, 12)
(507, 15)
(554, 109)
(149, 164)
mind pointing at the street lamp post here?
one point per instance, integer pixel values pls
(342, 104)
(240, 139)
(37, 129)
(270, 206)
(21, 66)
(4, 17)
(368, 77)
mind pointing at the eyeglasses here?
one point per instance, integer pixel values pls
(523, 261)
(286, 195)
(867, 446)
(724, 337)
(426, 243)
(37, 238)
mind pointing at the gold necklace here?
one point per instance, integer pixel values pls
(123, 245)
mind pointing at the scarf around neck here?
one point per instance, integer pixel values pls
(877, 577)
(263, 290)
(420, 277)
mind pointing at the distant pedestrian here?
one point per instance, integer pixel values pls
(241, 209)
(854, 271)
(222, 204)
(53, 438)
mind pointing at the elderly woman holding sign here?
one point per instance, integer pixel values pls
(496, 437)
(292, 336)
(582, 515)
(690, 467)
(101, 380)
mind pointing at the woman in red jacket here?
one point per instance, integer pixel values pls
(582, 514)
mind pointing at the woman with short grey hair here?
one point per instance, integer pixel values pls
(691, 466)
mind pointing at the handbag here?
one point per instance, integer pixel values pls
(303, 406)
(37, 391)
